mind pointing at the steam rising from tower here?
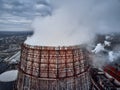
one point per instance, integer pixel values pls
(73, 22)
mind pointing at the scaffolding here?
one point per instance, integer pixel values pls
(53, 68)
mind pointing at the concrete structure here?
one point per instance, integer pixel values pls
(53, 68)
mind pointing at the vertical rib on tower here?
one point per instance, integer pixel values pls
(53, 68)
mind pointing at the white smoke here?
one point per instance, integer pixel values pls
(107, 43)
(113, 55)
(99, 47)
(99, 61)
(75, 22)
(102, 55)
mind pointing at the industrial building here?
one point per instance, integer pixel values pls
(107, 79)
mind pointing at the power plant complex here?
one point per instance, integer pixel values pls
(60, 45)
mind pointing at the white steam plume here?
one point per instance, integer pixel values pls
(114, 55)
(98, 48)
(75, 22)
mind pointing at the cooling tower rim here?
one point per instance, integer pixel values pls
(52, 47)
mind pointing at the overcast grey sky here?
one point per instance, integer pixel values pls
(18, 14)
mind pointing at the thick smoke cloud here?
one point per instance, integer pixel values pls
(74, 22)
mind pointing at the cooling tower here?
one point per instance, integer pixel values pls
(53, 68)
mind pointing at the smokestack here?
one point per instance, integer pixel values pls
(53, 68)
